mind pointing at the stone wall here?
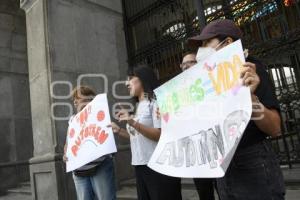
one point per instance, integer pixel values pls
(67, 39)
(15, 117)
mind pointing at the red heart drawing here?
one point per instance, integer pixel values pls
(166, 117)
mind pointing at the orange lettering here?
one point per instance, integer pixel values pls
(217, 83)
(78, 141)
(74, 150)
(102, 137)
(86, 132)
(227, 75)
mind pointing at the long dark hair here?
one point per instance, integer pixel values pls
(148, 78)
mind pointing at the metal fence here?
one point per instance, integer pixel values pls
(157, 30)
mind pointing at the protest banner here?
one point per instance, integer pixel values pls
(88, 135)
(204, 111)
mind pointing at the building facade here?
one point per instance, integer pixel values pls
(47, 47)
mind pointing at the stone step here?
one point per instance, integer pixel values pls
(24, 188)
(128, 190)
(129, 193)
(20, 190)
(15, 196)
(25, 184)
(186, 183)
(291, 176)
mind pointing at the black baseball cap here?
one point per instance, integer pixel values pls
(220, 27)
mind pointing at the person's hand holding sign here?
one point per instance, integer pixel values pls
(249, 76)
(251, 79)
(261, 115)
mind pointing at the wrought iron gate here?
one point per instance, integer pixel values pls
(156, 33)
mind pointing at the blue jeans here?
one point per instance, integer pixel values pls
(100, 186)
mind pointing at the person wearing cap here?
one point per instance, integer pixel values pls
(204, 186)
(254, 172)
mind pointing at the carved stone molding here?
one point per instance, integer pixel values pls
(27, 4)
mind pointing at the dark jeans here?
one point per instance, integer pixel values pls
(205, 188)
(254, 174)
(155, 186)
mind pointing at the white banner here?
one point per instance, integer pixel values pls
(88, 135)
(205, 111)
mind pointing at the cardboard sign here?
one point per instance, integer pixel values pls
(205, 111)
(88, 135)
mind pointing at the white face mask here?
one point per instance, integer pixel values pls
(205, 52)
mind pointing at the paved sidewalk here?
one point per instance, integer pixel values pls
(128, 192)
(292, 194)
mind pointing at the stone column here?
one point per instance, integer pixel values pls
(65, 39)
(15, 117)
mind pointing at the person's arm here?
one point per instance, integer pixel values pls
(266, 119)
(123, 133)
(65, 158)
(153, 133)
(120, 131)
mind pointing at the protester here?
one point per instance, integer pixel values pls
(205, 187)
(254, 172)
(188, 60)
(95, 180)
(143, 130)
